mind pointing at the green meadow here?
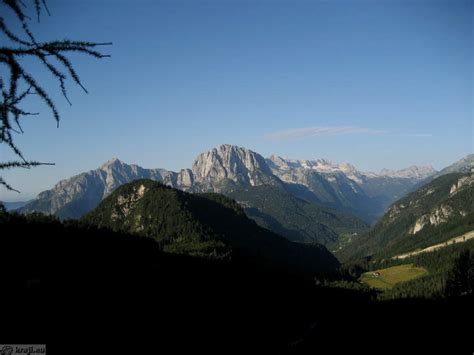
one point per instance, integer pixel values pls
(389, 277)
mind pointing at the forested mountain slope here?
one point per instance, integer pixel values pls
(205, 225)
(438, 211)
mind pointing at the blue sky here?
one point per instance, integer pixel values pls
(379, 84)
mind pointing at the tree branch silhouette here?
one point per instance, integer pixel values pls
(18, 83)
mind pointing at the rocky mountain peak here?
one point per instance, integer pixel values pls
(230, 162)
(112, 163)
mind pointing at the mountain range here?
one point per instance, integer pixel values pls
(331, 199)
(343, 187)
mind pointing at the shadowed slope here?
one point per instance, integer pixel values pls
(206, 225)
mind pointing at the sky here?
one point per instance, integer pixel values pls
(378, 84)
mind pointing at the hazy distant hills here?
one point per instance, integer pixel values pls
(205, 225)
(435, 213)
(322, 187)
(10, 206)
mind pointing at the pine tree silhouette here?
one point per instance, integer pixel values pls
(18, 83)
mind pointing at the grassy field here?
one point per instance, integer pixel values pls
(389, 277)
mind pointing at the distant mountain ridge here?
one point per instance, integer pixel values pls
(325, 166)
(412, 172)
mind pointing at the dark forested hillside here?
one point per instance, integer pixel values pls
(205, 225)
(94, 290)
(103, 290)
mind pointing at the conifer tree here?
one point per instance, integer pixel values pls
(461, 277)
(17, 82)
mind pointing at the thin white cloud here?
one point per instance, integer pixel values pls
(308, 132)
(416, 135)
